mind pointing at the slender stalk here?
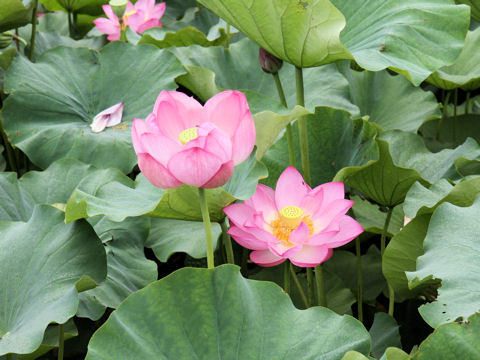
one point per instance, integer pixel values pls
(322, 298)
(34, 30)
(467, 104)
(444, 113)
(208, 227)
(227, 44)
(8, 149)
(302, 127)
(286, 276)
(359, 280)
(243, 264)
(391, 293)
(60, 342)
(69, 17)
(310, 287)
(17, 43)
(283, 100)
(455, 102)
(227, 242)
(299, 286)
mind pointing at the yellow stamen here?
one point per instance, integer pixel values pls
(130, 13)
(188, 135)
(287, 221)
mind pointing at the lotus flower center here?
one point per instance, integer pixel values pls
(188, 135)
(288, 220)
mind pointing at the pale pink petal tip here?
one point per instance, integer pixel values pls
(107, 118)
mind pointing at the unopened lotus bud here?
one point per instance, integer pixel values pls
(6, 39)
(118, 7)
(270, 63)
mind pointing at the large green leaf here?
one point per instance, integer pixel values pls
(344, 265)
(465, 72)
(13, 13)
(217, 314)
(67, 87)
(452, 236)
(45, 263)
(168, 236)
(384, 333)
(452, 341)
(401, 256)
(126, 198)
(335, 141)
(390, 101)
(474, 7)
(190, 35)
(404, 159)
(92, 7)
(413, 37)
(305, 33)
(215, 68)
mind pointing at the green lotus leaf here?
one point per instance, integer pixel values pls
(336, 140)
(384, 333)
(452, 236)
(421, 200)
(413, 37)
(354, 355)
(163, 38)
(393, 353)
(210, 71)
(168, 236)
(65, 95)
(373, 219)
(47, 261)
(128, 270)
(344, 265)
(401, 256)
(217, 314)
(390, 101)
(474, 7)
(127, 198)
(465, 71)
(13, 14)
(305, 33)
(91, 7)
(339, 298)
(403, 160)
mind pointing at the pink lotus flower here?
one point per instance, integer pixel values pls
(293, 222)
(182, 142)
(140, 17)
(108, 117)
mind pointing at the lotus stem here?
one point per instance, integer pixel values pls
(302, 127)
(299, 286)
(227, 44)
(61, 341)
(227, 242)
(391, 293)
(455, 103)
(359, 280)
(322, 298)
(467, 104)
(69, 18)
(8, 149)
(283, 100)
(208, 227)
(34, 30)
(310, 287)
(444, 114)
(286, 277)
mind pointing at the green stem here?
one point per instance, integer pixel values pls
(243, 264)
(310, 287)
(17, 39)
(208, 227)
(34, 30)
(283, 100)
(302, 127)
(60, 342)
(227, 44)
(8, 149)
(444, 114)
(322, 298)
(299, 286)
(455, 103)
(286, 276)
(359, 280)
(382, 251)
(69, 18)
(227, 241)
(467, 104)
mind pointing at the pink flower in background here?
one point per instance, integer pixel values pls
(140, 17)
(293, 222)
(145, 15)
(183, 142)
(110, 26)
(108, 117)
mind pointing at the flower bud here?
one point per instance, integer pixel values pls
(270, 63)
(6, 39)
(118, 7)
